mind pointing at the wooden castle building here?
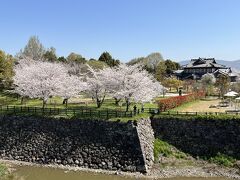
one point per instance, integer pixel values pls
(196, 68)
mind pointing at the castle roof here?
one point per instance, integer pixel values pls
(204, 62)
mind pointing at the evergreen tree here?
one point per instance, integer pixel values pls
(107, 58)
(50, 55)
(171, 66)
(62, 59)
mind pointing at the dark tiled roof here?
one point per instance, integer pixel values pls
(203, 62)
(223, 71)
(227, 72)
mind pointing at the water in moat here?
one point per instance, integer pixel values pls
(43, 173)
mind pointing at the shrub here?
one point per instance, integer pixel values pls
(172, 102)
(223, 160)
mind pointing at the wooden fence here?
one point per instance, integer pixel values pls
(75, 111)
(79, 111)
(174, 113)
(92, 112)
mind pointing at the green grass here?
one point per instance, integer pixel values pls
(3, 171)
(5, 174)
(56, 102)
(134, 118)
(223, 160)
(164, 149)
(8, 99)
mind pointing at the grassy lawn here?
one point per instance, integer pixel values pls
(200, 106)
(6, 99)
(166, 154)
(134, 118)
(81, 101)
(167, 150)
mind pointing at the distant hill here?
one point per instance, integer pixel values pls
(235, 65)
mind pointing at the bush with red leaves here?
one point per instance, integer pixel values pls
(172, 102)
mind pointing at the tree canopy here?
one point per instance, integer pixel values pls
(150, 62)
(50, 55)
(107, 58)
(171, 66)
(208, 81)
(223, 84)
(97, 64)
(44, 79)
(155, 64)
(172, 83)
(34, 49)
(6, 70)
(76, 58)
(41, 79)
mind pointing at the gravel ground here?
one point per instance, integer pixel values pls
(191, 171)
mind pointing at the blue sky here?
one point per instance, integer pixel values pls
(179, 29)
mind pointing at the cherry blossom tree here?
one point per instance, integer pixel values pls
(98, 84)
(70, 86)
(38, 79)
(103, 82)
(152, 90)
(112, 82)
(133, 84)
(77, 69)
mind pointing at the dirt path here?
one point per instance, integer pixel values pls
(202, 106)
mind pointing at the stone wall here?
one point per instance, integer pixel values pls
(86, 143)
(200, 137)
(146, 138)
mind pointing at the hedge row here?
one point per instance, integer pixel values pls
(172, 102)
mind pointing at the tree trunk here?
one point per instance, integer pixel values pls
(98, 103)
(128, 104)
(44, 103)
(117, 101)
(22, 99)
(142, 109)
(65, 101)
